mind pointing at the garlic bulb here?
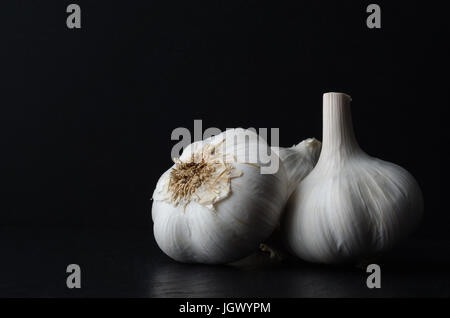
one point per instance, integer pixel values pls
(215, 205)
(299, 160)
(351, 206)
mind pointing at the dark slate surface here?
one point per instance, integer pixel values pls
(127, 263)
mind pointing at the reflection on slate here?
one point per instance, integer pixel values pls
(118, 263)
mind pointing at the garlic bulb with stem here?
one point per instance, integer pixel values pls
(351, 206)
(215, 205)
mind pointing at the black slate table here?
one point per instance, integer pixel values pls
(117, 262)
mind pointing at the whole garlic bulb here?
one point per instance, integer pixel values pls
(214, 205)
(351, 206)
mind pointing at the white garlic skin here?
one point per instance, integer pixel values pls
(351, 207)
(235, 226)
(299, 160)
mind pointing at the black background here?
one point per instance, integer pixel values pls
(86, 115)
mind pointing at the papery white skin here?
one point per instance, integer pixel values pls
(241, 217)
(351, 207)
(299, 160)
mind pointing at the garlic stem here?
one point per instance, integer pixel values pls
(339, 141)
